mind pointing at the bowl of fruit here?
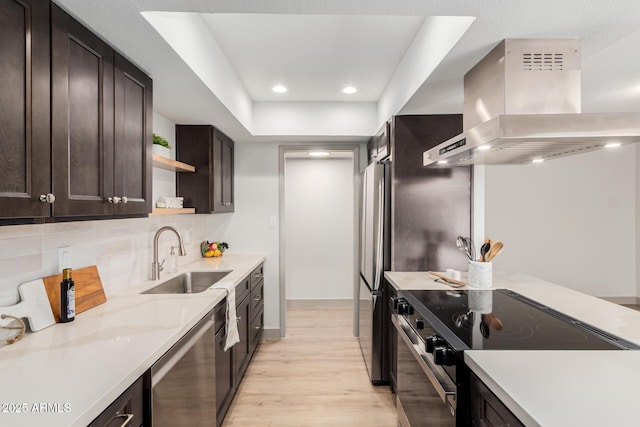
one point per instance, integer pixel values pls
(213, 249)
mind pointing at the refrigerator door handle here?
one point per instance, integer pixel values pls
(380, 241)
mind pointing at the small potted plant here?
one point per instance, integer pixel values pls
(161, 146)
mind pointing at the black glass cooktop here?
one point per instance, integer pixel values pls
(504, 320)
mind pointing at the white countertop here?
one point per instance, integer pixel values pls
(563, 388)
(84, 365)
(557, 388)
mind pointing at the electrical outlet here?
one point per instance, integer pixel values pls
(64, 257)
(186, 236)
(271, 222)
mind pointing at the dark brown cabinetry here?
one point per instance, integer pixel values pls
(101, 126)
(232, 364)
(75, 120)
(487, 410)
(24, 108)
(210, 188)
(128, 409)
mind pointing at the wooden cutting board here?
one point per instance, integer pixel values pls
(89, 290)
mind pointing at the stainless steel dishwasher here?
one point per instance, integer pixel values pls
(183, 380)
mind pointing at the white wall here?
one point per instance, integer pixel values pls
(164, 181)
(319, 228)
(571, 221)
(257, 198)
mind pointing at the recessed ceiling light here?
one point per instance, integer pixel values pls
(349, 90)
(538, 160)
(443, 162)
(612, 145)
(484, 147)
(279, 89)
(318, 153)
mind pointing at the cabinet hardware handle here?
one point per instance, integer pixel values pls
(126, 421)
(257, 327)
(238, 319)
(124, 200)
(115, 200)
(47, 198)
(258, 298)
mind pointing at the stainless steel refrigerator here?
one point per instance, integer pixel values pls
(374, 260)
(410, 218)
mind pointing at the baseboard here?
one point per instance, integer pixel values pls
(622, 300)
(303, 303)
(271, 334)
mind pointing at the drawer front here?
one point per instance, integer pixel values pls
(130, 405)
(257, 275)
(242, 290)
(257, 298)
(256, 328)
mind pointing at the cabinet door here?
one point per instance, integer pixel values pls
(224, 376)
(133, 124)
(487, 410)
(194, 145)
(24, 108)
(222, 173)
(241, 351)
(82, 119)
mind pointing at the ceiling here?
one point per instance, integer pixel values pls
(215, 61)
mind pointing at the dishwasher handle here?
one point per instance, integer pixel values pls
(173, 356)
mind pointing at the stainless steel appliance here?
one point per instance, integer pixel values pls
(183, 380)
(408, 213)
(374, 259)
(522, 102)
(434, 329)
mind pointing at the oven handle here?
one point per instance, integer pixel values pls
(445, 388)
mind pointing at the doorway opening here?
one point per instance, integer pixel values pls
(319, 204)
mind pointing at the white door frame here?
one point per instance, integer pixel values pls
(282, 150)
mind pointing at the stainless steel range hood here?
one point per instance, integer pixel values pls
(522, 104)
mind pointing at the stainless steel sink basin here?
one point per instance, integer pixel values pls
(192, 282)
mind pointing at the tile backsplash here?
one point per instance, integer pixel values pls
(121, 248)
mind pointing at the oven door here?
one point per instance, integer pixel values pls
(426, 396)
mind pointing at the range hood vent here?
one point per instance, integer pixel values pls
(522, 104)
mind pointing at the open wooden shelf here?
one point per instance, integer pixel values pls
(171, 165)
(172, 211)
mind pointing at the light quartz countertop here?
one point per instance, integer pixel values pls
(557, 388)
(79, 368)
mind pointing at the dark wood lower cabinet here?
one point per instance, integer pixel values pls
(232, 364)
(224, 375)
(129, 406)
(487, 410)
(390, 294)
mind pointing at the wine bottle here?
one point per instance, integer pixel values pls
(67, 297)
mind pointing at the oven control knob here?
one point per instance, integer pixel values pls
(405, 308)
(443, 356)
(397, 302)
(419, 324)
(433, 342)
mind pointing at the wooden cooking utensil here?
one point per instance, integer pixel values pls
(496, 248)
(448, 280)
(89, 290)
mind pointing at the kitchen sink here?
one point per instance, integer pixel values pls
(192, 282)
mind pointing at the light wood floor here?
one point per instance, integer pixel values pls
(314, 377)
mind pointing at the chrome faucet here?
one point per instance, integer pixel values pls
(156, 267)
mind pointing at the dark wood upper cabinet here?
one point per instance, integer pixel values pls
(24, 108)
(82, 119)
(210, 188)
(133, 136)
(101, 126)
